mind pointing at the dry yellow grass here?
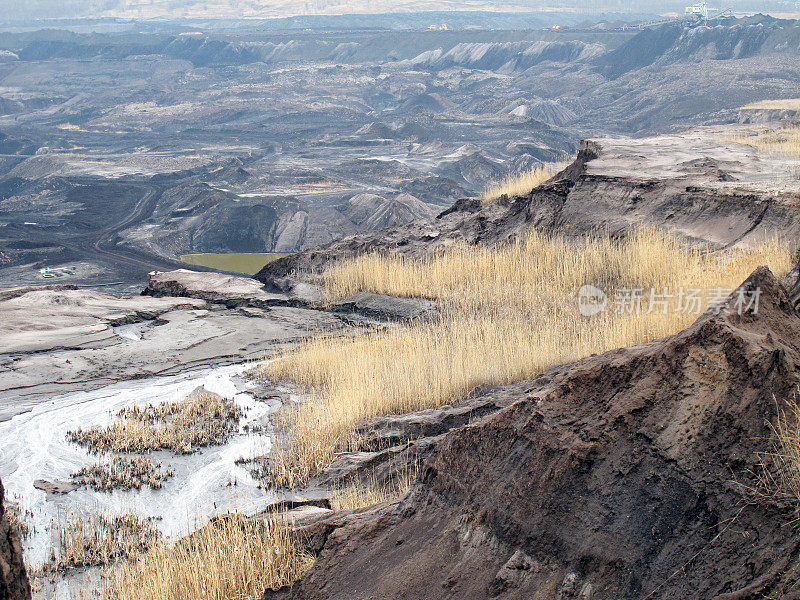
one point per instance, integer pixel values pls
(359, 495)
(199, 420)
(519, 184)
(782, 142)
(507, 314)
(232, 558)
(83, 540)
(787, 104)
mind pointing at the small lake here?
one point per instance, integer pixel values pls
(249, 263)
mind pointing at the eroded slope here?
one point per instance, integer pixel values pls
(622, 476)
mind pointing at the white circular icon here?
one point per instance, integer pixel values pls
(591, 300)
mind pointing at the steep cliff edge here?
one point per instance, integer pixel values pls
(622, 476)
(698, 184)
(13, 579)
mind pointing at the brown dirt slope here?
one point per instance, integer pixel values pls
(617, 477)
(13, 579)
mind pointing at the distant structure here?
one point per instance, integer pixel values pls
(699, 11)
(442, 27)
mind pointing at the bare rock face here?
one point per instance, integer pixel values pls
(13, 579)
(370, 212)
(621, 476)
(216, 288)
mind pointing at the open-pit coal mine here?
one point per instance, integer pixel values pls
(425, 304)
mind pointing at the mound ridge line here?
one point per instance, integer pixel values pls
(696, 185)
(619, 476)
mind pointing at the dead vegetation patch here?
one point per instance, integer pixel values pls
(232, 557)
(202, 419)
(87, 540)
(258, 467)
(124, 474)
(520, 184)
(786, 104)
(19, 518)
(784, 141)
(777, 480)
(360, 494)
(508, 313)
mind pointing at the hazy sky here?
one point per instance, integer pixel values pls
(26, 9)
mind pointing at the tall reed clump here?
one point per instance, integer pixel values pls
(519, 184)
(233, 557)
(85, 540)
(507, 314)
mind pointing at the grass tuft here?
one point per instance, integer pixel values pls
(520, 184)
(123, 473)
(202, 419)
(357, 495)
(778, 477)
(86, 540)
(233, 557)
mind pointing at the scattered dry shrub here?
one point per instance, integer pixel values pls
(233, 557)
(520, 184)
(778, 476)
(357, 495)
(508, 313)
(123, 473)
(86, 540)
(202, 419)
(782, 142)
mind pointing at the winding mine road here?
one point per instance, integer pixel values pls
(102, 245)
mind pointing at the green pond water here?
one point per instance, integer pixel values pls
(245, 262)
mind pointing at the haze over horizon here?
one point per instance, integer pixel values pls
(11, 10)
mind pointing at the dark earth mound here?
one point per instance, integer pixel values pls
(13, 579)
(621, 476)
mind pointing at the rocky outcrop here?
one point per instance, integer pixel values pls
(729, 39)
(622, 476)
(216, 288)
(13, 579)
(697, 184)
(235, 292)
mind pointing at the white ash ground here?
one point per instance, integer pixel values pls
(205, 483)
